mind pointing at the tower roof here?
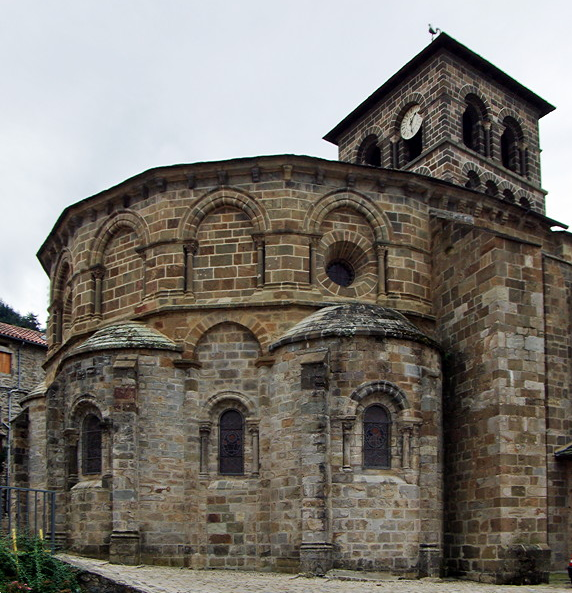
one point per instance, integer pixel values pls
(442, 43)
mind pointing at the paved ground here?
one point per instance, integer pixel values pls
(153, 579)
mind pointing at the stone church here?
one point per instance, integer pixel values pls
(295, 364)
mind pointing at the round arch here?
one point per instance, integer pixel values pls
(355, 201)
(209, 322)
(121, 220)
(396, 395)
(216, 199)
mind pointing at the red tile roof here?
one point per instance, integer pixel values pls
(21, 333)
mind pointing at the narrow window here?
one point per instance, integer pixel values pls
(231, 443)
(5, 363)
(414, 146)
(369, 152)
(473, 180)
(376, 438)
(491, 188)
(513, 157)
(91, 445)
(474, 122)
(471, 123)
(508, 149)
(372, 155)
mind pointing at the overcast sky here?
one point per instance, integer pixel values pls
(94, 92)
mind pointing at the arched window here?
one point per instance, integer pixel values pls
(512, 155)
(475, 132)
(376, 438)
(473, 181)
(369, 152)
(471, 121)
(508, 195)
(491, 188)
(91, 445)
(231, 443)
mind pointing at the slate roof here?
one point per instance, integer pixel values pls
(129, 334)
(31, 336)
(564, 452)
(442, 42)
(353, 319)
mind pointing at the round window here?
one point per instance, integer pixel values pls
(340, 272)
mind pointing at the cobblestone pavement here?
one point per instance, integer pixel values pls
(154, 579)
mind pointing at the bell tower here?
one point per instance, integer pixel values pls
(450, 114)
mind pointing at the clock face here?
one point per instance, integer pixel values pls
(411, 122)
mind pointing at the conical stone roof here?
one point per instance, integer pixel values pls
(128, 334)
(353, 319)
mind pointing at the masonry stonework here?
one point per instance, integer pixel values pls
(288, 363)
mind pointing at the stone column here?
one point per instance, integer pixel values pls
(71, 436)
(191, 248)
(316, 549)
(347, 428)
(252, 426)
(313, 247)
(522, 152)
(487, 138)
(56, 320)
(204, 431)
(260, 264)
(97, 274)
(381, 254)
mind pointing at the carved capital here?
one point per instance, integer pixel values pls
(380, 248)
(205, 428)
(315, 240)
(258, 240)
(253, 426)
(191, 246)
(98, 272)
(348, 423)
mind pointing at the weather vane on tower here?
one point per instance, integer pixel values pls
(433, 31)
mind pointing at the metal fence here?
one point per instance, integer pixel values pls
(28, 511)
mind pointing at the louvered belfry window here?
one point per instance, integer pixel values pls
(376, 438)
(231, 443)
(91, 445)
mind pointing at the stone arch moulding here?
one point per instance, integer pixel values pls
(469, 166)
(512, 116)
(220, 401)
(355, 201)
(84, 403)
(216, 199)
(369, 132)
(64, 260)
(468, 90)
(412, 99)
(248, 322)
(120, 220)
(392, 390)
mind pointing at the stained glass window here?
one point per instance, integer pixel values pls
(376, 438)
(231, 443)
(91, 445)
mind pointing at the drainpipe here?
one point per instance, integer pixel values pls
(8, 424)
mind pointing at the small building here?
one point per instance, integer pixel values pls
(22, 355)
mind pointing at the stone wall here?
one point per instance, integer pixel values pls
(490, 296)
